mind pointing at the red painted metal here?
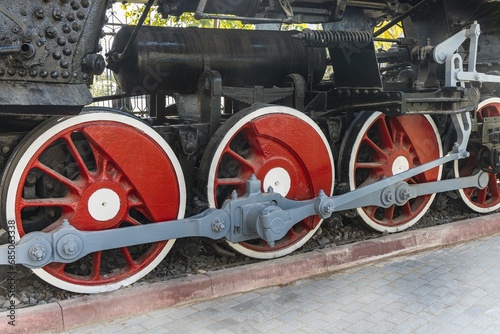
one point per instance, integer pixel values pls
(489, 197)
(280, 141)
(387, 139)
(129, 163)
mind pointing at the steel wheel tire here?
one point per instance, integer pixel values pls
(286, 150)
(377, 146)
(91, 169)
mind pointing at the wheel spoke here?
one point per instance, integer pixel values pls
(96, 266)
(377, 150)
(291, 234)
(385, 135)
(82, 167)
(398, 132)
(407, 209)
(369, 165)
(370, 211)
(481, 195)
(133, 221)
(389, 214)
(244, 163)
(58, 267)
(412, 180)
(469, 192)
(230, 181)
(102, 165)
(493, 186)
(399, 138)
(73, 186)
(48, 202)
(128, 258)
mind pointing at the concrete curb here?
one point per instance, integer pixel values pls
(140, 299)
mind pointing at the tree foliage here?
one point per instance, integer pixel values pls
(393, 33)
(133, 13)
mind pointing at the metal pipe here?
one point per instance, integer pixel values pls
(10, 49)
(136, 30)
(398, 19)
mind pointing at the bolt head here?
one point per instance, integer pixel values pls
(5, 149)
(218, 225)
(70, 247)
(37, 252)
(190, 148)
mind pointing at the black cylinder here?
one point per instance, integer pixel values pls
(171, 60)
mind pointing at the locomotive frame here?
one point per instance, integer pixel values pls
(260, 172)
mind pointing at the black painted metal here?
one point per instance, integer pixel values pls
(334, 39)
(53, 38)
(171, 60)
(354, 65)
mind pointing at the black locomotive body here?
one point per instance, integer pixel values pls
(261, 144)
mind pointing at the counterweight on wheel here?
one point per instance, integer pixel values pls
(81, 169)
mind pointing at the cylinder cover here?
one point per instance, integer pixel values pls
(171, 60)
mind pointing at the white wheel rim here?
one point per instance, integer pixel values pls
(46, 136)
(352, 185)
(461, 192)
(213, 170)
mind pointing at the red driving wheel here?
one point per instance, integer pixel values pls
(285, 150)
(99, 171)
(379, 146)
(487, 199)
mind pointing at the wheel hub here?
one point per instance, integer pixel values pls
(279, 179)
(104, 204)
(400, 164)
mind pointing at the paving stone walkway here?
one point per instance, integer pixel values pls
(448, 290)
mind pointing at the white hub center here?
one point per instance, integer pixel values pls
(104, 205)
(279, 179)
(400, 165)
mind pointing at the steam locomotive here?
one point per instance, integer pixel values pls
(260, 146)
